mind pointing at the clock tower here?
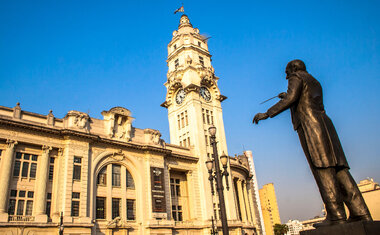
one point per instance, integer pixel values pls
(193, 100)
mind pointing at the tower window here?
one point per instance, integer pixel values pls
(176, 63)
(179, 122)
(201, 60)
(175, 46)
(199, 44)
(182, 120)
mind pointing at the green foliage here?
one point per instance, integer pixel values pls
(280, 229)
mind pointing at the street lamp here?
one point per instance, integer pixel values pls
(213, 164)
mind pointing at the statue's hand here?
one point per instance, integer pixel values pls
(282, 95)
(260, 116)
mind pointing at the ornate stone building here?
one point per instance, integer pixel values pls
(105, 176)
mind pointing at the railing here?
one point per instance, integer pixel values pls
(23, 218)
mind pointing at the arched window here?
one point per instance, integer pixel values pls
(123, 195)
(102, 176)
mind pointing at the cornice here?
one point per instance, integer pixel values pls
(95, 138)
(187, 47)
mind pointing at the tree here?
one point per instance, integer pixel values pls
(280, 229)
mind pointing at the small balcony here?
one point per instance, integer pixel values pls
(21, 218)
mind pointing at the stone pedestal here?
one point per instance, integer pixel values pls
(355, 228)
(4, 217)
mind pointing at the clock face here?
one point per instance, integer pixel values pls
(180, 96)
(205, 93)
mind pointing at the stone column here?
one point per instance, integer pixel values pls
(41, 185)
(5, 176)
(247, 204)
(242, 201)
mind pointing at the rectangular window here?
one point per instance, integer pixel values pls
(206, 139)
(175, 46)
(51, 168)
(199, 43)
(16, 169)
(75, 204)
(77, 168)
(29, 207)
(27, 164)
(182, 120)
(179, 122)
(208, 117)
(188, 141)
(176, 63)
(20, 207)
(177, 213)
(25, 168)
(175, 187)
(115, 207)
(203, 115)
(212, 118)
(116, 170)
(201, 61)
(131, 209)
(100, 207)
(48, 204)
(33, 170)
(12, 206)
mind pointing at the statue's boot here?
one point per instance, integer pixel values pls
(352, 197)
(331, 195)
(335, 215)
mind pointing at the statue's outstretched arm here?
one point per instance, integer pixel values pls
(292, 95)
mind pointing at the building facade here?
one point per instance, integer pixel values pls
(255, 193)
(294, 226)
(269, 208)
(105, 176)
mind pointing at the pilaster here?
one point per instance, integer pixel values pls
(41, 185)
(5, 175)
(242, 201)
(246, 200)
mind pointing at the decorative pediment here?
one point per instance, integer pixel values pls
(118, 123)
(76, 119)
(152, 136)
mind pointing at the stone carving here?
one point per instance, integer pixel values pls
(77, 120)
(50, 118)
(11, 143)
(118, 156)
(189, 60)
(118, 123)
(17, 111)
(46, 149)
(152, 136)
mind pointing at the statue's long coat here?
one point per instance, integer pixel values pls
(316, 131)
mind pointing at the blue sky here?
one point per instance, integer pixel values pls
(93, 55)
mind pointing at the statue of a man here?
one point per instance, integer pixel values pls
(321, 145)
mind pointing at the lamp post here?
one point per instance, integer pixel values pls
(218, 175)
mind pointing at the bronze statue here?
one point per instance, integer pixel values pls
(321, 145)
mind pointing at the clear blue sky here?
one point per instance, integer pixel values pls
(94, 55)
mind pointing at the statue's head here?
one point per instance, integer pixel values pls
(294, 66)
